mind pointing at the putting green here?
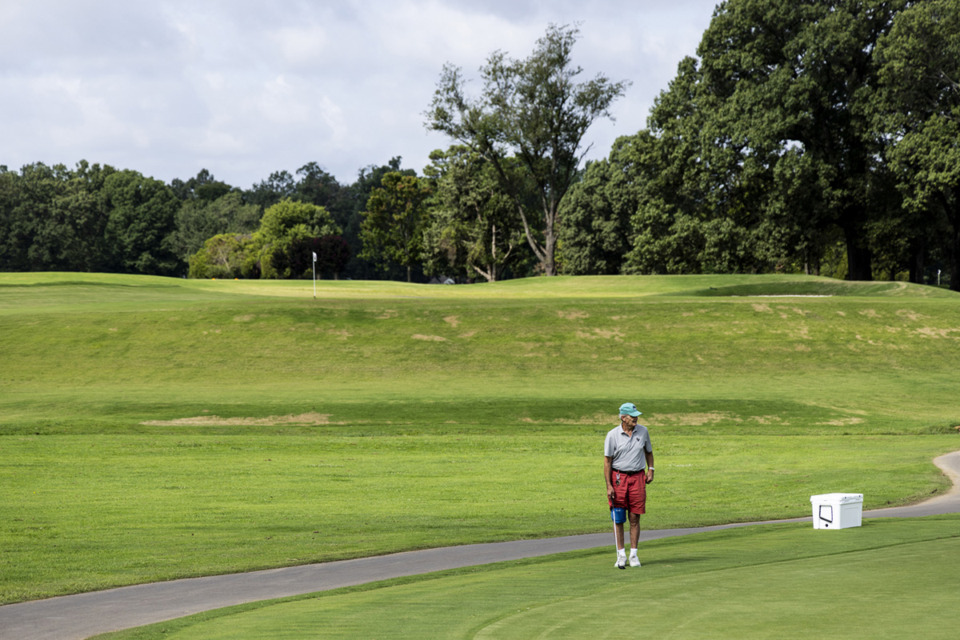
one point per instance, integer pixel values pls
(882, 593)
(887, 579)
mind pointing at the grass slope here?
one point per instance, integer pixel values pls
(155, 428)
(121, 351)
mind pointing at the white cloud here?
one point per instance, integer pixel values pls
(246, 87)
(302, 45)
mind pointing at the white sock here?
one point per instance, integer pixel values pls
(633, 553)
(622, 552)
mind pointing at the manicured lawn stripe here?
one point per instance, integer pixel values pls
(757, 582)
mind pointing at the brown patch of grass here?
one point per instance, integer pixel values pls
(910, 315)
(600, 418)
(933, 332)
(843, 422)
(605, 334)
(418, 336)
(690, 419)
(217, 421)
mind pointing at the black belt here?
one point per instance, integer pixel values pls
(629, 473)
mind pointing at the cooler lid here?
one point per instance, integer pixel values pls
(842, 498)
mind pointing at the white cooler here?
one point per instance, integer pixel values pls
(837, 510)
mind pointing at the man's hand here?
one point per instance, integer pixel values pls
(649, 475)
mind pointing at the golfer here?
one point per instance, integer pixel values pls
(627, 469)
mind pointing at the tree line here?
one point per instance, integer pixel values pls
(98, 218)
(816, 136)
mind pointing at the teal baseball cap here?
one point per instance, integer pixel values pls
(629, 409)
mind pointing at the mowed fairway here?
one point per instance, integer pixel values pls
(774, 581)
(157, 428)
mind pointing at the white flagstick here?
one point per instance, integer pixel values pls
(314, 275)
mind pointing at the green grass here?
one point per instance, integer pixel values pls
(112, 354)
(157, 428)
(887, 579)
(97, 511)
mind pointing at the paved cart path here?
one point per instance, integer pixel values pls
(81, 616)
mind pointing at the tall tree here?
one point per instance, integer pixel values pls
(82, 210)
(535, 110)
(203, 186)
(918, 111)
(266, 193)
(471, 227)
(316, 186)
(142, 218)
(357, 193)
(11, 246)
(226, 255)
(282, 231)
(197, 220)
(333, 254)
(596, 233)
(392, 228)
(796, 78)
(35, 225)
(692, 198)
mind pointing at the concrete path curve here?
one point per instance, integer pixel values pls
(83, 615)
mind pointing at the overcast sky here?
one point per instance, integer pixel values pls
(244, 88)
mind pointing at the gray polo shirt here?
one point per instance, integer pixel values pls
(628, 452)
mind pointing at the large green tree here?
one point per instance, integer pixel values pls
(266, 193)
(198, 220)
(532, 109)
(794, 79)
(392, 227)
(204, 186)
(11, 246)
(226, 255)
(35, 225)
(595, 232)
(28, 221)
(280, 238)
(918, 111)
(319, 187)
(692, 201)
(472, 226)
(141, 220)
(82, 215)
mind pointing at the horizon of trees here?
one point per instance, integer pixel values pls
(818, 136)
(99, 218)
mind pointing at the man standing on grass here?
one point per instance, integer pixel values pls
(627, 468)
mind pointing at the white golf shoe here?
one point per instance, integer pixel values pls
(634, 561)
(621, 562)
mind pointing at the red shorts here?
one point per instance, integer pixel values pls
(631, 492)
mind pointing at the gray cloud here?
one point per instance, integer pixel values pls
(245, 88)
